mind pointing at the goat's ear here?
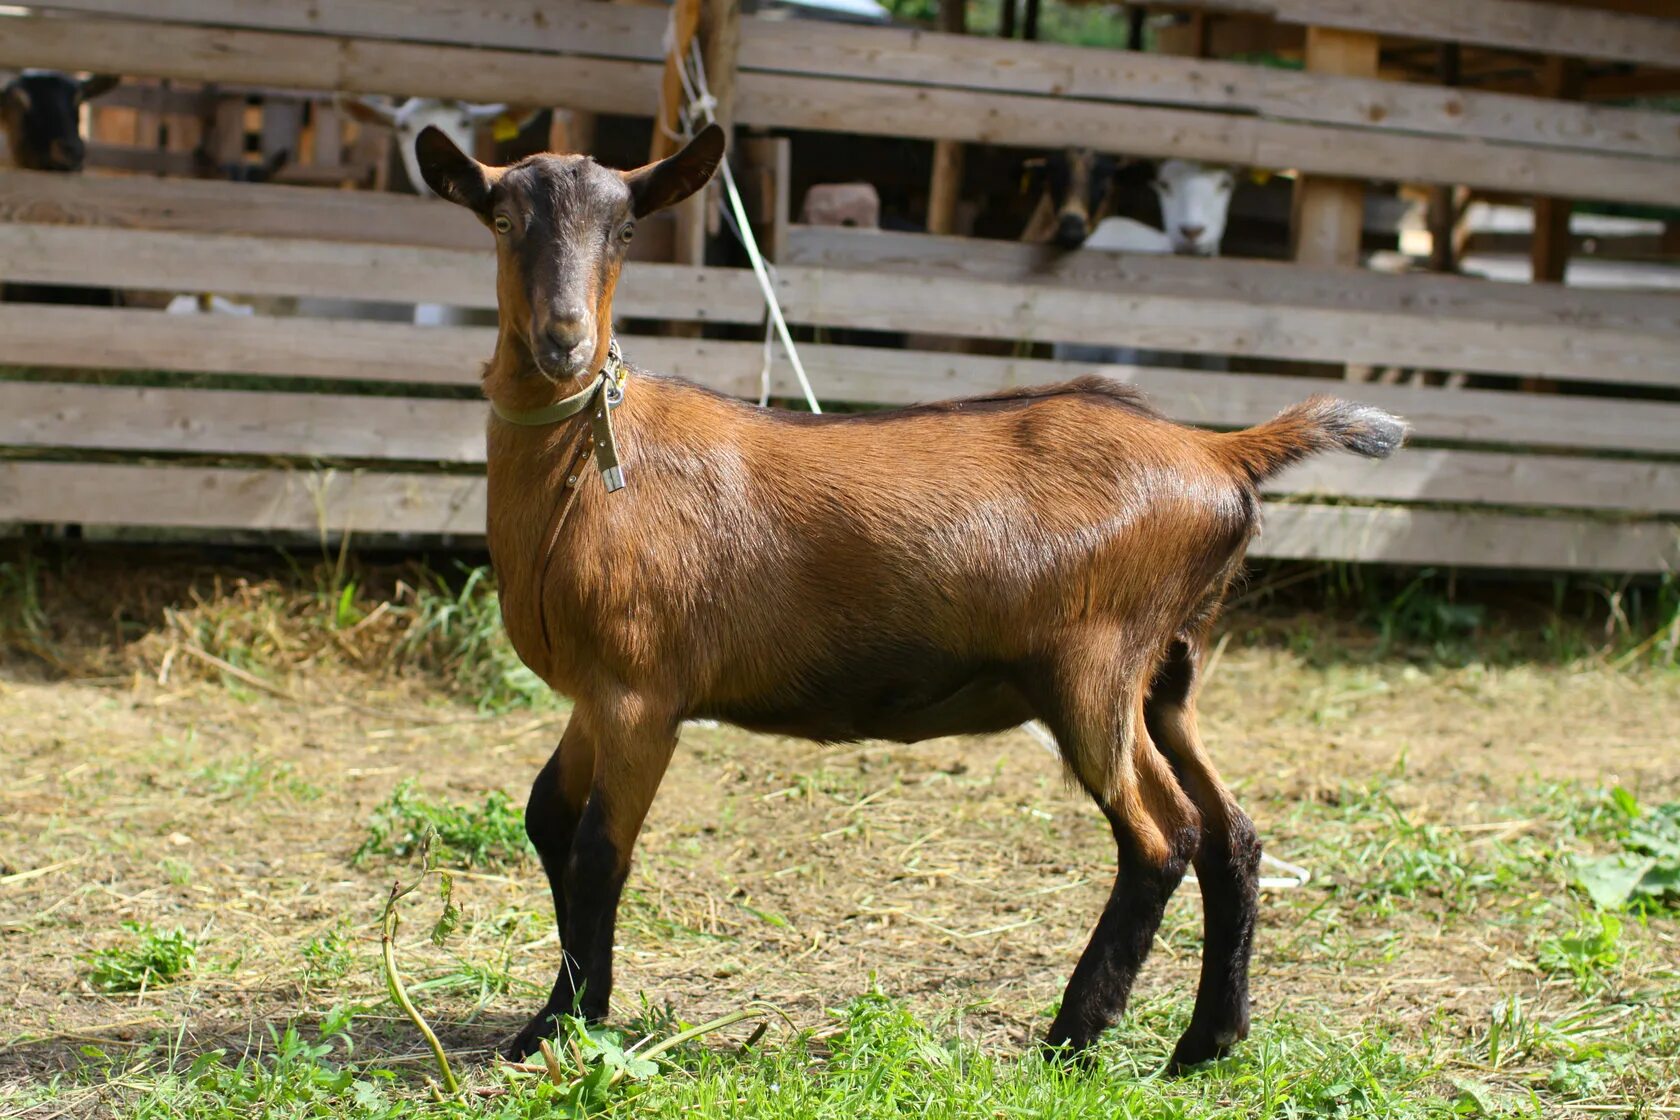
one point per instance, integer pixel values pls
(674, 178)
(451, 173)
(98, 85)
(368, 112)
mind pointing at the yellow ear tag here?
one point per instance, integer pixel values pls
(1259, 176)
(504, 128)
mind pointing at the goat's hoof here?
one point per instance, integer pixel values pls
(1198, 1047)
(1071, 1053)
(545, 1024)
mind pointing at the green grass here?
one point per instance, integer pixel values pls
(158, 957)
(488, 834)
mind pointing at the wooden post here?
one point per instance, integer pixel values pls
(1029, 22)
(1329, 212)
(945, 186)
(1006, 19)
(1549, 250)
(685, 20)
(571, 130)
(1443, 199)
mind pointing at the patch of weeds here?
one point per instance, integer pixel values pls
(254, 778)
(178, 871)
(328, 957)
(460, 631)
(489, 834)
(158, 958)
(1589, 955)
(1645, 875)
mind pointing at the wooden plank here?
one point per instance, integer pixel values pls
(248, 209)
(1472, 540)
(932, 113)
(335, 426)
(824, 104)
(1263, 283)
(1524, 25)
(1491, 478)
(917, 57)
(1230, 323)
(623, 31)
(252, 266)
(236, 422)
(685, 20)
(372, 502)
(78, 337)
(229, 498)
(945, 182)
(319, 62)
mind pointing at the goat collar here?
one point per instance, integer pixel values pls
(604, 393)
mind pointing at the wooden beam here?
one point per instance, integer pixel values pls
(1308, 323)
(229, 498)
(319, 350)
(932, 58)
(827, 104)
(667, 118)
(945, 185)
(327, 426)
(934, 113)
(383, 502)
(1549, 254)
(1329, 212)
(1524, 25)
(1472, 540)
(325, 63)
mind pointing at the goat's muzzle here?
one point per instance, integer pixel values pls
(1071, 231)
(564, 344)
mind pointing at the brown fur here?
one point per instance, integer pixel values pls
(1056, 552)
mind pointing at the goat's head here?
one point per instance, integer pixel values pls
(1078, 181)
(562, 225)
(456, 119)
(1195, 202)
(40, 110)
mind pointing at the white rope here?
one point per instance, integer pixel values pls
(703, 105)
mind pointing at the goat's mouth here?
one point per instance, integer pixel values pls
(559, 365)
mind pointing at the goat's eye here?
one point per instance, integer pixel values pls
(626, 232)
(503, 224)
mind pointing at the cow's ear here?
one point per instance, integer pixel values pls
(98, 85)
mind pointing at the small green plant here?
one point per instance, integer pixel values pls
(461, 632)
(491, 833)
(158, 958)
(327, 957)
(1588, 955)
(1645, 874)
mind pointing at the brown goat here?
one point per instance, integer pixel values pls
(1055, 553)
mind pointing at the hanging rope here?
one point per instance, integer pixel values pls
(702, 107)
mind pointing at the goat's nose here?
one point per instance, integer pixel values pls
(67, 154)
(567, 327)
(1192, 233)
(1071, 231)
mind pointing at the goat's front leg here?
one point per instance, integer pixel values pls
(631, 751)
(631, 755)
(551, 820)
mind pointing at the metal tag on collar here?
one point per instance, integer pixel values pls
(602, 425)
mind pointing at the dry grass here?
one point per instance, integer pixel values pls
(962, 876)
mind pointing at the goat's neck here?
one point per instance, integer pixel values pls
(513, 382)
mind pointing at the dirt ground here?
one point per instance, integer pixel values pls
(962, 875)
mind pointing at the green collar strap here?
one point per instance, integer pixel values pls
(603, 394)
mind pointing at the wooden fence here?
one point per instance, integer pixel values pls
(372, 427)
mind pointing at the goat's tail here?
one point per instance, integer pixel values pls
(1318, 424)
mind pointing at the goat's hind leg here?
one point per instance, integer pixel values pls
(1227, 865)
(1155, 829)
(551, 820)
